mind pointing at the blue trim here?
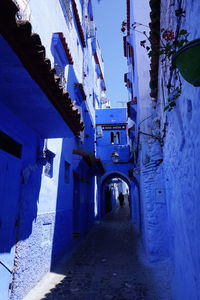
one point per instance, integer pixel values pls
(90, 11)
(94, 45)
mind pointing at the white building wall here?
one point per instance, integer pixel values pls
(141, 12)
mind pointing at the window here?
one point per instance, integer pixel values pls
(48, 170)
(112, 138)
(94, 101)
(60, 57)
(60, 71)
(118, 137)
(67, 172)
(9, 145)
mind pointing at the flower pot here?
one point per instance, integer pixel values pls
(187, 60)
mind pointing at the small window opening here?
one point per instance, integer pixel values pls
(112, 138)
(9, 145)
(48, 171)
(118, 137)
(67, 172)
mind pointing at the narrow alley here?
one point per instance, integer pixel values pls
(107, 265)
(99, 104)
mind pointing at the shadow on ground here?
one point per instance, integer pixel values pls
(107, 266)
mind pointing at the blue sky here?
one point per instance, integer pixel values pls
(108, 16)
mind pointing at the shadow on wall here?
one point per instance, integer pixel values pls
(62, 237)
(19, 189)
(20, 145)
(74, 207)
(63, 231)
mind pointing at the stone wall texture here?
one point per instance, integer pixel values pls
(169, 167)
(182, 169)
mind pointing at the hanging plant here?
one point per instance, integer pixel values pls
(167, 49)
(169, 44)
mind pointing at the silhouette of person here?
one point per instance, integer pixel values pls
(121, 199)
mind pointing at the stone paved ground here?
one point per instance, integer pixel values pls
(107, 266)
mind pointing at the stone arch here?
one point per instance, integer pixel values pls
(133, 185)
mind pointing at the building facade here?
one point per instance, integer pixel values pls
(51, 82)
(166, 137)
(114, 151)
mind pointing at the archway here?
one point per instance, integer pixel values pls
(106, 201)
(115, 192)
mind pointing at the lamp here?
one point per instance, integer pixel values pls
(42, 158)
(115, 156)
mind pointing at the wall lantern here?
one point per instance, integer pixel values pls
(42, 158)
(115, 156)
(45, 156)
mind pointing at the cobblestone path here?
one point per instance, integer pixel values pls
(107, 266)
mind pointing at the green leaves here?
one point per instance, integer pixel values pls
(182, 32)
(173, 97)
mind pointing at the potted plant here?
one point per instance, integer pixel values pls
(187, 60)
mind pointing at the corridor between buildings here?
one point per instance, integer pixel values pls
(108, 264)
(68, 150)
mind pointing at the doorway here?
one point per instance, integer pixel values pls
(10, 167)
(115, 193)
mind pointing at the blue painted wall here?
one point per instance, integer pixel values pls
(105, 146)
(170, 191)
(116, 117)
(47, 224)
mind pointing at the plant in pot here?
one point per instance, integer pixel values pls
(187, 60)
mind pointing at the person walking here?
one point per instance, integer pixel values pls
(121, 199)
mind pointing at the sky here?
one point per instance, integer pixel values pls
(108, 16)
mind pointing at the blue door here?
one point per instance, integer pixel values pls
(9, 204)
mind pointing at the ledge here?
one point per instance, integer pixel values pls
(128, 5)
(78, 23)
(98, 63)
(66, 48)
